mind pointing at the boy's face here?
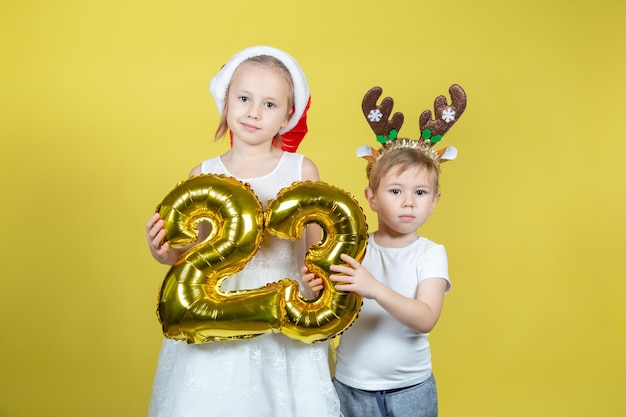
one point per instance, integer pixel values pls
(403, 201)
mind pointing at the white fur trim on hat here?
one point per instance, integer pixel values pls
(219, 83)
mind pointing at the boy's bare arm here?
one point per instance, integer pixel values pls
(420, 314)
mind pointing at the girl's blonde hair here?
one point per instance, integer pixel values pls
(266, 61)
(402, 159)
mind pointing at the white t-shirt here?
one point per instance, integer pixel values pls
(378, 352)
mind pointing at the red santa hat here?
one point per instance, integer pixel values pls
(293, 133)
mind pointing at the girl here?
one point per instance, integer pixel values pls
(262, 96)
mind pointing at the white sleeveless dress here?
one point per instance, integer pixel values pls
(266, 376)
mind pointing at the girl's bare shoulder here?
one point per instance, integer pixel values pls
(309, 170)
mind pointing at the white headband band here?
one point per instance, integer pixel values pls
(219, 83)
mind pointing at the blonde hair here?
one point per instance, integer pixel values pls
(402, 159)
(266, 61)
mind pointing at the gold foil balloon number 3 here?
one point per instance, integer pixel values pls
(193, 307)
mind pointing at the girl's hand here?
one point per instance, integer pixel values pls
(316, 284)
(355, 278)
(155, 233)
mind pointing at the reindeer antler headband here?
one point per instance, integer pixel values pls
(432, 131)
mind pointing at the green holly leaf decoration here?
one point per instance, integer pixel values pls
(435, 138)
(426, 134)
(393, 135)
(381, 139)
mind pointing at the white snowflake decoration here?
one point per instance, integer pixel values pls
(375, 115)
(448, 115)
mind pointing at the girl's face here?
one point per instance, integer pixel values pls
(258, 103)
(403, 201)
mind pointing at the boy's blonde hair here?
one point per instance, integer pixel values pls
(266, 61)
(402, 159)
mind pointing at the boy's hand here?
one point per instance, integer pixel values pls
(355, 278)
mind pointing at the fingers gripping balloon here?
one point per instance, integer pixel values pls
(192, 306)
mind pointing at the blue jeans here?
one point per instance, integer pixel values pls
(415, 401)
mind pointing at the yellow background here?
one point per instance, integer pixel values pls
(105, 107)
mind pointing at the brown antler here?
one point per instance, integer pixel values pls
(445, 115)
(378, 116)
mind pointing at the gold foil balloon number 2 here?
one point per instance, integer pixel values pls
(193, 307)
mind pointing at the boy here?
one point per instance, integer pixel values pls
(383, 360)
